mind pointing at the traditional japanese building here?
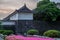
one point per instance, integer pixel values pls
(19, 19)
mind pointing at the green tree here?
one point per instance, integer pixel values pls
(47, 11)
(1, 27)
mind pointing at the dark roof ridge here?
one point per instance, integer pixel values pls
(24, 9)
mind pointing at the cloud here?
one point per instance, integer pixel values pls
(3, 15)
(5, 10)
(17, 3)
(7, 6)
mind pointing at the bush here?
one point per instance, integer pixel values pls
(52, 33)
(1, 31)
(33, 32)
(6, 32)
(14, 37)
(18, 37)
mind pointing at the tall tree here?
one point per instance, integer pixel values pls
(47, 11)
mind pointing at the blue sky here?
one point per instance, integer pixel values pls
(8, 6)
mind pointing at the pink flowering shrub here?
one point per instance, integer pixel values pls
(19, 37)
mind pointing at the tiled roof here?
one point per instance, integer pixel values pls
(24, 9)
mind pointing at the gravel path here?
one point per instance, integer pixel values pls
(1, 38)
(57, 38)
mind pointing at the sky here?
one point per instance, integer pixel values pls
(8, 6)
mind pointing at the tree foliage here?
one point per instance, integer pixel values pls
(1, 27)
(47, 11)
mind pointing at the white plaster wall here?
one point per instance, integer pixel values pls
(25, 16)
(14, 17)
(8, 23)
(22, 16)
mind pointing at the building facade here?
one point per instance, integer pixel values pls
(21, 20)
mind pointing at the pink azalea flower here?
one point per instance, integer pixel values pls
(19, 37)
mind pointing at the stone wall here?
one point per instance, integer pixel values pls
(24, 26)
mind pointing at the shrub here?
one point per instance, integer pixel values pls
(52, 33)
(14, 37)
(18, 37)
(33, 32)
(6, 32)
(1, 31)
